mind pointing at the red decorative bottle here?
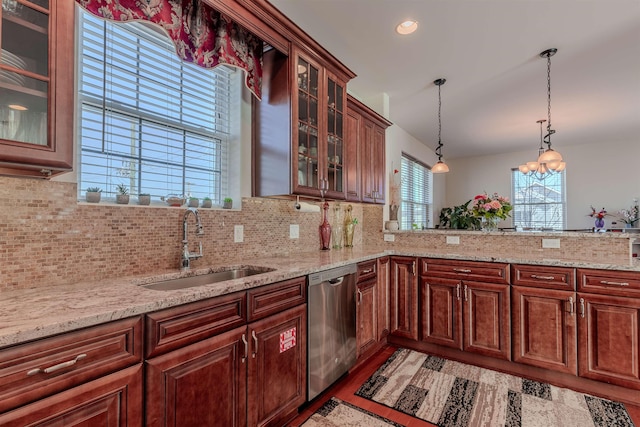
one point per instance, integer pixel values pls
(325, 229)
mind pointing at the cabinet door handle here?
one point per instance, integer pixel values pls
(571, 311)
(535, 276)
(462, 270)
(606, 282)
(458, 291)
(255, 344)
(359, 296)
(246, 348)
(59, 366)
(367, 271)
(582, 307)
(465, 293)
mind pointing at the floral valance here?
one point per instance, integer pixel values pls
(201, 35)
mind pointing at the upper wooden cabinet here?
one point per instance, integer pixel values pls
(299, 127)
(365, 151)
(36, 88)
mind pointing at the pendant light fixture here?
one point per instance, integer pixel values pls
(440, 167)
(549, 161)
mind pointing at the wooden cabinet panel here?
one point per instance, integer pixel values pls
(271, 299)
(34, 370)
(544, 328)
(366, 270)
(403, 294)
(111, 401)
(366, 316)
(441, 311)
(177, 327)
(486, 322)
(542, 276)
(200, 384)
(488, 272)
(353, 157)
(382, 291)
(277, 367)
(609, 282)
(609, 348)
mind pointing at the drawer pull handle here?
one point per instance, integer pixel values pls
(57, 367)
(571, 311)
(465, 293)
(255, 344)
(246, 348)
(462, 270)
(535, 276)
(606, 282)
(458, 291)
(370, 270)
(582, 307)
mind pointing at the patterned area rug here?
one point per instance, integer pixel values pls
(449, 394)
(336, 413)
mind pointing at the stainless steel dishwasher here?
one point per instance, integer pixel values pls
(332, 327)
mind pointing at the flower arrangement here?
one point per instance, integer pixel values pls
(598, 215)
(491, 207)
(630, 216)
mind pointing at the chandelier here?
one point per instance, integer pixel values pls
(440, 167)
(549, 161)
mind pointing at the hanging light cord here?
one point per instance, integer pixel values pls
(439, 148)
(547, 138)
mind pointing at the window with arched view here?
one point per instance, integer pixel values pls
(538, 204)
(416, 194)
(148, 120)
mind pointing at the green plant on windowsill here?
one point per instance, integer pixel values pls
(207, 202)
(122, 198)
(93, 195)
(227, 203)
(459, 218)
(144, 199)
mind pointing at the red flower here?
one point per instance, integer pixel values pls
(395, 171)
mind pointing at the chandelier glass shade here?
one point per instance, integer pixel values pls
(549, 161)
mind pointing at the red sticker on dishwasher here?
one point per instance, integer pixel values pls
(287, 340)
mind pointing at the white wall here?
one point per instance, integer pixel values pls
(603, 175)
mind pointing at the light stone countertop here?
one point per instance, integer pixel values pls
(31, 314)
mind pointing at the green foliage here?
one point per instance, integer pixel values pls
(228, 200)
(94, 190)
(122, 189)
(459, 218)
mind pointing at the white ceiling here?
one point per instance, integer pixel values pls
(488, 51)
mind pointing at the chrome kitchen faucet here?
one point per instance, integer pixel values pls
(186, 255)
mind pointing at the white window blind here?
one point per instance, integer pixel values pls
(416, 194)
(538, 204)
(147, 119)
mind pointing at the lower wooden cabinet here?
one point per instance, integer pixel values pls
(383, 286)
(608, 343)
(114, 400)
(403, 294)
(253, 375)
(366, 316)
(544, 328)
(469, 316)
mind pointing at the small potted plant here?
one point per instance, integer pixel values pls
(227, 203)
(144, 199)
(193, 202)
(93, 194)
(206, 202)
(122, 198)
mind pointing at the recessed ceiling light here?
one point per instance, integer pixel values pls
(407, 27)
(18, 107)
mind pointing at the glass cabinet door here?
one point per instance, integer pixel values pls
(24, 71)
(335, 137)
(309, 149)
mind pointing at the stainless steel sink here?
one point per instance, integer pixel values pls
(206, 279)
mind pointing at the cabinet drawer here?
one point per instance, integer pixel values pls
(29, 372)
(367, 270)
(609, 282)
(275, 298)
(493, 272)
(179, 326)
(543, 277)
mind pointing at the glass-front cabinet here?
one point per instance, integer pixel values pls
(36, 82)
(318, 135)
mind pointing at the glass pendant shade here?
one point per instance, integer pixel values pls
(542, 168)
(550, 155)
(440, 167)
(560, 167)
(532, 165)
(523, 168)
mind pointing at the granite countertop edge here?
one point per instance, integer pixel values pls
(31, 314)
